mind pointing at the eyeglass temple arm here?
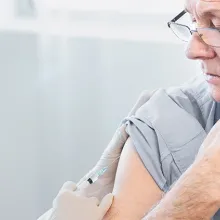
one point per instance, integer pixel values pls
(178, 16)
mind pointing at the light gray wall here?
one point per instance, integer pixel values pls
(61, 101)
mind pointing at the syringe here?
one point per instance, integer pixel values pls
(94, 177)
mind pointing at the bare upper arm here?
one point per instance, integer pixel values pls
(135, 190)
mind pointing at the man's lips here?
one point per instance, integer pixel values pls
(208, 72)
(212, 74)
(213, 79)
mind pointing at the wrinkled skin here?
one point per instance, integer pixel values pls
(206, 14)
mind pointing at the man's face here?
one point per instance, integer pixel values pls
(205, 13)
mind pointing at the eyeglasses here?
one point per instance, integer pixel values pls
(210, 36)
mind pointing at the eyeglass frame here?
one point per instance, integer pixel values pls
(173, 21)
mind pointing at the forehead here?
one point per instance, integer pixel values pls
(203, 8)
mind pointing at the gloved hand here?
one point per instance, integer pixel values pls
(110, 157)
(69, 205)
(104, 184)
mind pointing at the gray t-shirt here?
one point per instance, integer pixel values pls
(167, 137)
(217, 112)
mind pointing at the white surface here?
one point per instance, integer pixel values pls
(130, 6)
(154, 33)
(61, 100)
(105, 25)
(65, 85)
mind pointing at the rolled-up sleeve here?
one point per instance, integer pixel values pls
(146, 144)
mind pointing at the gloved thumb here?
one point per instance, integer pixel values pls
(106, 204)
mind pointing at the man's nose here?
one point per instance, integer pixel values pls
(197, 49)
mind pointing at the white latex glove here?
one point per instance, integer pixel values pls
(104, 184)
(69, 205)
(110, 157)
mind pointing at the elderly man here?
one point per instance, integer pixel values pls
(170, 165)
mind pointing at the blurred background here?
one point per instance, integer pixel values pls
(70, 71)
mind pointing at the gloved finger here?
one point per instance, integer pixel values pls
(106, 204)
(67, 189)
(69, 186)
(115, 145)
(143, 98)
(94, 200)
(121, 135)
